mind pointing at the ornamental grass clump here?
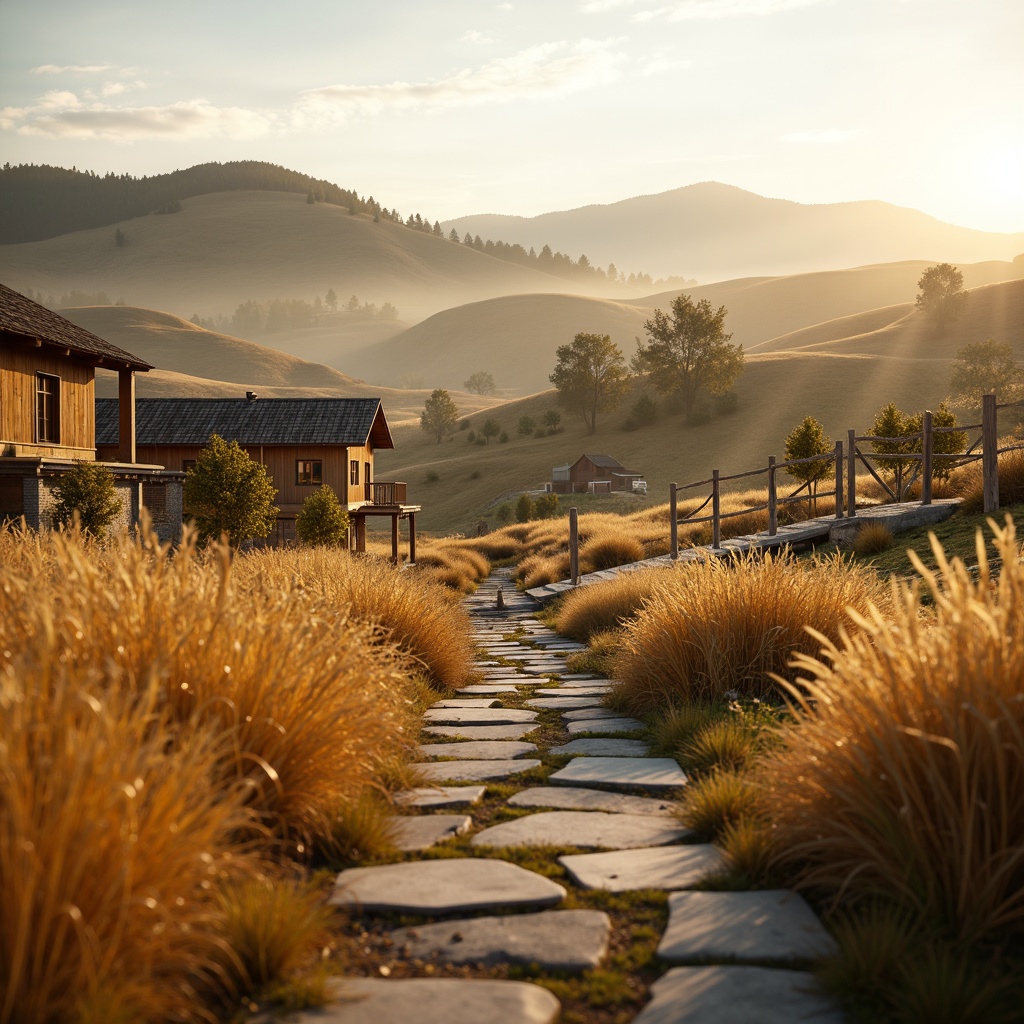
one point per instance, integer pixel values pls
(902, 780)
(724, 626)
(603, 606)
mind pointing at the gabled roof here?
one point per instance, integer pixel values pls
(266, 421)
(604, 461)
(29, 320)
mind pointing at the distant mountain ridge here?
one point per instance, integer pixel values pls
(711, 231)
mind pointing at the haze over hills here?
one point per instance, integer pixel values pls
(712, 231)
(514, 338)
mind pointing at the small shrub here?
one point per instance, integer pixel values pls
(644, 411)
(541, 432)
(747, 842)
(527, 425)
(88, 493)
(545, 506)
(432, 477)
(503, 513)
(711, 803)
(321, 519)
(503, 437)
(471, 437)
(873, 539)
(727, 743)
(524, 508)
(475, 475)
(463, 424)
(606, 606)
(609, 550)
(362, 828)
(597, 657)
(970, 484)
(676, 728)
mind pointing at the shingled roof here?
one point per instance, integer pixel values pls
(29, 320)
(260, 421)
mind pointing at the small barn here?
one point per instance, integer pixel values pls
(594, 474)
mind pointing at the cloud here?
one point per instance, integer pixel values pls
(700, 10)
(65, 116)
(543, 70)
(504, 7)
(658, 64)
(471, 35)
(822, 136)
(72, 69)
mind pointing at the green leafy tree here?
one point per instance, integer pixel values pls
(227, 492)
(894, 425)
(551, 420)
(527, 425)
(388, 312)
(524, 508)
(689, 351)
(87, 491)
(546, 506)
(440, 414)
(480, 383)
(503, 512)
(804, 441)
(331, 300)
(353, 303)
(491, 428)
(983, 368)
(942, 297)
(321, 519)
(590, 376)
(953, 442)
(503, 437)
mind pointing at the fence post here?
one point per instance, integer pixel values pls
(673, 518)
(851, 475)
(839, 479)
(574, 546)
(927, 447)
(989, 453)
(716, 511)
(773, 499)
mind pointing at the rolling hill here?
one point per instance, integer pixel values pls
(712, 231)
(515, 337)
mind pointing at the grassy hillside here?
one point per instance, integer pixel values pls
(713, 231)
(515, 337)
(225, 248)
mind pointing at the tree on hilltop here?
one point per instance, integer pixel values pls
(590, 376)
(480, 383)
(942, 297)
(440, 414)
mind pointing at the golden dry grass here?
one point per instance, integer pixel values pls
(903, 779)
(607, 606)
(725, 626)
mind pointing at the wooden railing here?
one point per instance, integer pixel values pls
(388, 493)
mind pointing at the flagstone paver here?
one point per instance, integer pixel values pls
(768, 925)
(653, 774)
(557, 940)
(421, 831)
(572, 799)
(570, 691)
(590, 714)
(487, 688)
(738, 995)
(467, 702)
(482, 732)
(603, 746)
(441, 796)
(604, 725)
(459, 885)
(478, 716)
(479, 750)
(663, 867)
(584, 829)
(563, 703)
(434, 1001)
(475, 771)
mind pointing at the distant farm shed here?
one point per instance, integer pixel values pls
(594, 474)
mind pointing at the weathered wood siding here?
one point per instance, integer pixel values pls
(19, 364)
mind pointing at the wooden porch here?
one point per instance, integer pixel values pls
(385, 498)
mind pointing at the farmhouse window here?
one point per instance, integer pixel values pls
(47, 408)
(309, 471)
(353, 472)
(187, 464)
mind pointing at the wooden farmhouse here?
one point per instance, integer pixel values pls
(593, 474)
(304, 443)
(48, 421)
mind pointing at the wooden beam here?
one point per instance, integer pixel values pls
(126, 416)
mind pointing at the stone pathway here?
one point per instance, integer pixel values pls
(608, 797)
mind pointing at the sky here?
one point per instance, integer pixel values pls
(455, 107)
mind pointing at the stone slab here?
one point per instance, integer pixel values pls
(459, 885)
(441, 796)
(482, 732)
(602, 725)
(738, 995)
(653, 774)
(433, 1001)
(770, 925)
(584, 829)
(422, 831)
(590, 714)
(665, 867)
(474, 771)
(479, 750)
(585, 683)
(478, 716)
(898, 518)
(603, 747)
(570, 691)
(564, 703)
(467, 702)
(569, 799)
(556, 940)
(486, 688)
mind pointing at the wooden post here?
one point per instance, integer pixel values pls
(989, 453)
(412, 538)
(361, 533)
(574, 546)
(927, 444)
(851, 475)
(126, 416)
(673, 519)
(773, 499)
(394, 538)
(839, 479)
(716, 511)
